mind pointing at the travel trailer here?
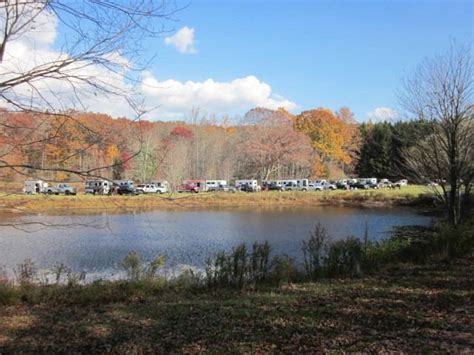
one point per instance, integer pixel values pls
(35, 187)
(296, 185)
(216, 185)
(98, 187)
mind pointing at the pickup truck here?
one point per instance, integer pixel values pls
(320, 186)
(61, 189)
(151, 189)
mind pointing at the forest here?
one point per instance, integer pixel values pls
(264, 144)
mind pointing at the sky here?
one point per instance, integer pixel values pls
(226, 57)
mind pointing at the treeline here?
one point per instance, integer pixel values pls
(384, 147)
(267, 144)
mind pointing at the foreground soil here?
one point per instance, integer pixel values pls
(408, 308)
(19, 203)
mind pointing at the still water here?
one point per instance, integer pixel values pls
(96, 244)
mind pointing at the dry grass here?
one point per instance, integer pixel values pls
(17, 202)
(421, 309)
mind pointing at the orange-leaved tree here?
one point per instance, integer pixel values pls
(332, 136)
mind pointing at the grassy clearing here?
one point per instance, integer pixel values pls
(405, 308)
(88, 203)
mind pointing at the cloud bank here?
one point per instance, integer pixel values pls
(235, 96)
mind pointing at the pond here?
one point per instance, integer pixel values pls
(96, 244)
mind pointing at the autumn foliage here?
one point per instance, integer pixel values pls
(333, 136)
(266, 144)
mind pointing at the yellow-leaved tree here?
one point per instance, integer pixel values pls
(333, 136)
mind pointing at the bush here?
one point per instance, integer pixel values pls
(344, 258)
(241, 268)
(283, 269)
(26, 272)
(260, 261)
(315, 251)
(136, 270)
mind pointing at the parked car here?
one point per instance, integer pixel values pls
(400, 183)
(359, 185)
(320, 185)
(162, 186)
(342, 184)
(193, 186)
(385, 184)
(125, 187)
(330, 186)
(248, 185)
(315, 186)
(61, 189)
(276, 185)
(147, 189)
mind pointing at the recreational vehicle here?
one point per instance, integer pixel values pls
(98, 187)
(35, 187)
(216, 185)
(296, 185)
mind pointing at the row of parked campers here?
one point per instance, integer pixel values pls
(124, 187)
(320, 185)
(219, 185)
(41, 187)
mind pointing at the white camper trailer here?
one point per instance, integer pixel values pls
(296, 185)
(35, 187)
(98, 187)
(216, 185)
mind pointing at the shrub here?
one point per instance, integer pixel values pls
(259, 261)
(240, 268)
(283, 269)
(136, 270)
(314, 252)
(26, 272)
(344, 257)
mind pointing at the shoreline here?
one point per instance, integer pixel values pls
(19, 204)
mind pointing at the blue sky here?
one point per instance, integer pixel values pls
(313, 53)
(227, 57)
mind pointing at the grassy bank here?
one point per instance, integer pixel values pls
(405, 294)
(410, 195)
(404, 308)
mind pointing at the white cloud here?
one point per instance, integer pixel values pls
(381, 114)
(183, 40)
(176, 98)
(172, 99)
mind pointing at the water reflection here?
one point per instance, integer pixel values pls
(97, 243)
